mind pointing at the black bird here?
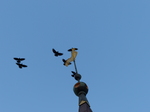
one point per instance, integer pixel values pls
(65, 62)
(56, 53)
(73, 73)
(72, 49)
(19, 59)
(21, 65)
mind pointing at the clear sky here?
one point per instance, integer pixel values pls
(113, 41)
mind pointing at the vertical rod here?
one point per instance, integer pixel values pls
(75, 66)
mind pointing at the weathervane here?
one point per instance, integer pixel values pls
(69, 60)
(80, 88)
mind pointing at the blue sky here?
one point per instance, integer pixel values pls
(113, 39)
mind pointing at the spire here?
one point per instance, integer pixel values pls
(81, 89)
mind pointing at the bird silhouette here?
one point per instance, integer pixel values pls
(73, 73)
(56, 53)
(66, 63)
(19, 59)
(21, 65)
(72, 49)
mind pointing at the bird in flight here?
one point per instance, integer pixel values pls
(65, 62)
(72, 49)
(73, 73)
(19, 59)
(56, 53)
(18, 62)
(21, 65)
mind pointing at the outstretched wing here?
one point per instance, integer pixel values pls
(73, 72)
(67, 62)
(19, 59)
(15, 58)
(70, 49)
(60, 54)
(19, 65)
(24, 65)
(64, 61)
(54, 51)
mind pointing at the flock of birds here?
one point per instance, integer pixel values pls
(56, 53)
(18, 62)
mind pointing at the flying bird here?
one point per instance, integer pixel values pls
(19, 59)
(73, 73)
(65, 62)
(72, 58)
(72, 49)
(18, 62)
(21, 65)
(56, 53)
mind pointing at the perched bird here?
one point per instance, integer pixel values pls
(21, 65)
(72, 58)
(66, 63)
(56, 53)
(72, 49)
(73, 73)
(19, 59)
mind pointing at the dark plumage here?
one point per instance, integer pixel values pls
(73, 73)
(65, 62)
(18, 62)
(56, 53)
(19, 59)
(72, 49)
(21, 65)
